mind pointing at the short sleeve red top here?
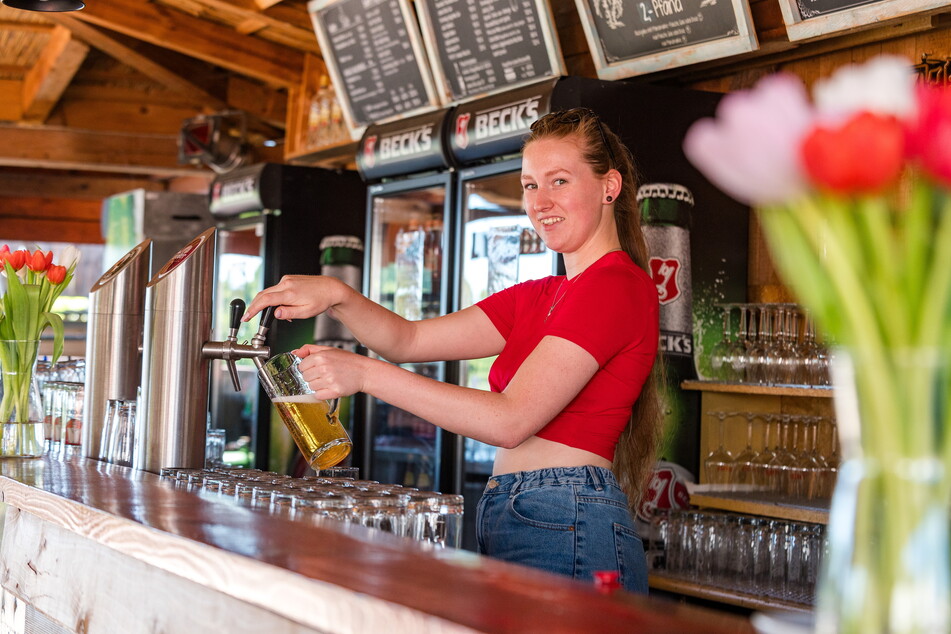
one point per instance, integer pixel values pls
(610, 310)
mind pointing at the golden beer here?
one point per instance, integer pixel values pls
(316, 430)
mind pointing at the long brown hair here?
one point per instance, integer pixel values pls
(637, 447)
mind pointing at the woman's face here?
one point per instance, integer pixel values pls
(563, 196)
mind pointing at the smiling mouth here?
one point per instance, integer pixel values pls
(550, 221)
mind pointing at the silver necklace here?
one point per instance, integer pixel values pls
(557, 299)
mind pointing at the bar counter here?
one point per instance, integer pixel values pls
(88, 547)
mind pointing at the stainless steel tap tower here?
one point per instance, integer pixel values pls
(178, 316)
(113, 347)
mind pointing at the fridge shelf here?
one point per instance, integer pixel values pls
(675, 585)
(768, 390)
(762, 503)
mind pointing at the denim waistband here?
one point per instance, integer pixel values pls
(597, 477)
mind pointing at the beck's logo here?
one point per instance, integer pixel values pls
(664, 271)
(462, 130)
(369, 151)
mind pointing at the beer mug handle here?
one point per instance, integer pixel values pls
(334, 403)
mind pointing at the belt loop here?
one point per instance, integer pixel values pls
(517, 482)
(596, 478)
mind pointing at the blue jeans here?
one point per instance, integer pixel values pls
(570, 520)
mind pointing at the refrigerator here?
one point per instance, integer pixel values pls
(497, 247)
(407, 270)
(270, 219)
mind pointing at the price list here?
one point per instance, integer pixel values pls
(488, 44)
(372, 48)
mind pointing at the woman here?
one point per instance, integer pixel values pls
(575, 356)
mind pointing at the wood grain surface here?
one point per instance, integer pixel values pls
(124, 532)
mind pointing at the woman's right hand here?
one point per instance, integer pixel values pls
(297, 297)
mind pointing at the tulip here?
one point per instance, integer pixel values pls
(38, 261)
(751, 149)
(929, 135)
(863, 156)
(16, 258)
(70, 256)
(56, 274)
(884, 85)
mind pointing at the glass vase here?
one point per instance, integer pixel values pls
(887, 568)
(21, 407)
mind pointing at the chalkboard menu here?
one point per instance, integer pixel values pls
(812, 8)
(375, 57)
(808, 19)
(628, 37)
(480, 46)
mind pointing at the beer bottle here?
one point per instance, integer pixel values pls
(665, 219)
(340, 257)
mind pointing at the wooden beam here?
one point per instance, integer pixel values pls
(33, 27)
(265, 4)
(22, 183)
(64, 148)
(43, 219)
(259, 101)
(45, 82)
(268, 62)
(11, 100)
(140, 62)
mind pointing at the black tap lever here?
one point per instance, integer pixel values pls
(237, 311)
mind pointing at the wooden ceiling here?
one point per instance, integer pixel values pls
(105, 90)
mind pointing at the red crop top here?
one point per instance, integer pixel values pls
(610, 310)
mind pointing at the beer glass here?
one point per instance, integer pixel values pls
(313, 423)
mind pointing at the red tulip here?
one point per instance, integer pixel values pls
(38, 261)
(16, 258)
(56, 274)
(929, 136)
(863, 156)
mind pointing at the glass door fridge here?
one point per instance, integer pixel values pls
(406, 271)
(497, 247)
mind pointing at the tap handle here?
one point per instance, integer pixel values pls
(267, 316)
(237, 310)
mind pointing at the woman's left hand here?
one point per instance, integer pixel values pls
(332, 372)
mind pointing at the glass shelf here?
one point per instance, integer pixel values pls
(769, 390)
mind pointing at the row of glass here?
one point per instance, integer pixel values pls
(62, 417)
(769, 344)
(426, 516)
(753, 555)
(787, 462)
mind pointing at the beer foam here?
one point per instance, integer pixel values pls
(297, 398)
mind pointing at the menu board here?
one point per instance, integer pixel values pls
(375, 57)
(808, 19)
(480, 46)
(631, 37)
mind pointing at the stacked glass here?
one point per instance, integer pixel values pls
(786, 462)
(769, 344)
(429, 517)
(759, 556)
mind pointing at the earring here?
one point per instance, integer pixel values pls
(610, 198)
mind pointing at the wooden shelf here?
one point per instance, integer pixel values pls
(768, 390)
(763, 504)
(665, 583)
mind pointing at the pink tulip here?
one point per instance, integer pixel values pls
(751, 149)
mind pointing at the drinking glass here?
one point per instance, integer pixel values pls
(382, 511)
(313, 423)
(214, 447)
(340, 472)
(122, 435)
(760, 464)
(740, 353)
(112, 408)
(741, 471)
(720, 355)
(435, 518)
(719, 462)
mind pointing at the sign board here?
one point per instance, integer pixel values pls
(375, 57)
(807, 19)
(479, 47)
(634, 37)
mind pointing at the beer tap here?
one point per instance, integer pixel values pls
(230, 350)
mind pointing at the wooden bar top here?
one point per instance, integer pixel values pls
(330, 578)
